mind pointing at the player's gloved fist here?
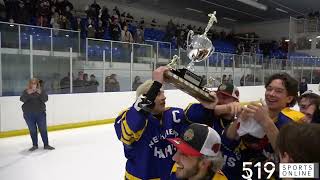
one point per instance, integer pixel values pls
(142, 103)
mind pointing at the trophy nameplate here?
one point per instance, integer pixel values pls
(189, 83)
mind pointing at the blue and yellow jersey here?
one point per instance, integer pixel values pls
(217, 176)
(230, 150)
(286, 116)
(149, 155)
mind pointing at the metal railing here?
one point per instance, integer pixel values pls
(162, 49)
(127, 62)
(17, 36)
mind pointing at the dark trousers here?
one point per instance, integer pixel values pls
(36, 120)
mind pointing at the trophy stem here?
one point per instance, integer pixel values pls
(210, 23)
(191, 66)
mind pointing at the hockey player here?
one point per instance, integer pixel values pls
(143, 130)
(309, 103)
(198, 155)
(281, 93)
(223, 114)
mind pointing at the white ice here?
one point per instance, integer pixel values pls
(90, 153)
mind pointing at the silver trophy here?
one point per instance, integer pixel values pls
(199, 49)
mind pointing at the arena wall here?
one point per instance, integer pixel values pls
(89, 108)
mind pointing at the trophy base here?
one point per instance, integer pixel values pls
(189, 83)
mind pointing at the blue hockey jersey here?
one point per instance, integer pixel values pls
(148, 153)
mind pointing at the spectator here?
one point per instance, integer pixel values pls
(99, 34)
(115, 83)
(43, 14)
(11, 7)
(141, 23)
(68, 14)
(96, 9)
(79, 83)
(126, 35)
(136, 83)
(78, 25)
(242, 80)
(116, 11)
(230, 79)
(2, 12)
(65, 84)
(130, 18)
(181, 40)
(139, 36)
(93, 84)
(55, 85)
(90, 29)
(64, 22)
(105, 17)
(34, 113)
(24, 16)
(224, 79)
(153, 23)
(86, 82)
(55, 20)
(123, 19)
(115, 29)
(61, 6)
(90, 12)
(303, 86)
(112, 84)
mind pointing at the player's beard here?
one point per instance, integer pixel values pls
(187, 173)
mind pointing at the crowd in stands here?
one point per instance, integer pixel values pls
(97, 21)
(81, 84)
(59, 14)
(84, 83)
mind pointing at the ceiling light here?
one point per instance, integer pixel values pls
(310, 40)
(195, 10)
(281, 10)
(232, 9)
(229, 19)
(287, 40)
(254, 4)
(318, 37)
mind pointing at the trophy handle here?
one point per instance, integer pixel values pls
(189, 37)
(212, 51)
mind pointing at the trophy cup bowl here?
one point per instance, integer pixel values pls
(199, 49)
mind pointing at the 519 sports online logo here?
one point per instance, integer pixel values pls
(285, 170)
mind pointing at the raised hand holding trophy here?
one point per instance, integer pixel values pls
(199, 49)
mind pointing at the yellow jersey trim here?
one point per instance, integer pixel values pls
(292, 114)
(128, 135)
(129, 176)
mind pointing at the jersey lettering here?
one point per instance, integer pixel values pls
(174, 115)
